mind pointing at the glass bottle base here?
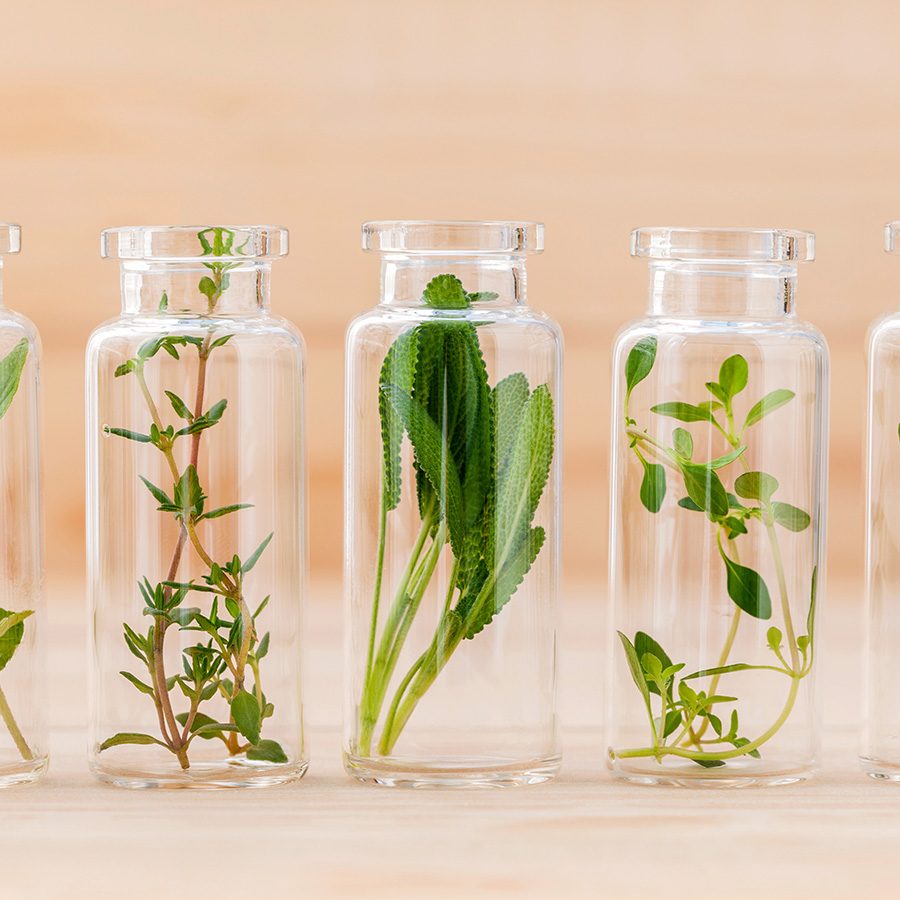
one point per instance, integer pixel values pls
(453, 772)
(880, 769)
(731, 776)
(23, 772)
(201, 775)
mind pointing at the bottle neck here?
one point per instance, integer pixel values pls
(194, 288)
(722, 289)
(404, 279)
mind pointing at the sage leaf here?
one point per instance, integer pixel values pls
(11, 367)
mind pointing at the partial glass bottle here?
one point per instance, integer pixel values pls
(452, 512)
(718, 496)
(195, 525)
(880, 753)
(23, 739)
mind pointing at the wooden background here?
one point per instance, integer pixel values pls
(593, 116)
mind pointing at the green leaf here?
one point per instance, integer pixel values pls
(710, 763)
(128, 366)
(246, 714)
(721, 461)
(774, 637)
(189, 496)
(225, 510)
(263, 647)
(180, 406)
(645, 646)
(653, 486)
(733, 375)
(433, 458)
(253, 559)
(143, 688)
(482, 296)
(398, 369)
(12, 629)
(639, 363)
(722, 670)
(159, 495)
(634, 666)
(769, 403)
(742, 742)
(684, 412)
(129, 737)
(755, 486)
(207, 287)
(705, 488)
(790, 517)
(131, 435)
(747, 589)
(267, 751)
(683, 443)
(718, 392)
(687, 503)
(445, 292)
(220, 341)
(163, 302)
(673, 722)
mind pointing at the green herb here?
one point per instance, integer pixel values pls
(12, 624)
(481, 460)
(680, 716)
(228, 648)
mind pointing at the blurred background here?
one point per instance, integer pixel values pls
(591, 116)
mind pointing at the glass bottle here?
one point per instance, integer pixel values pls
(195, 525)
(23, 739)
(452, 512)
(718, 495)
(880, 754)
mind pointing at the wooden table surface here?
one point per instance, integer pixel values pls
(583, 835)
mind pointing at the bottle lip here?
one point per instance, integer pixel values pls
(10, 238)
(194, 242)
(724, 244)
(446, 237)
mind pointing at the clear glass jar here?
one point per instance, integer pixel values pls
(23, 739)
(452, 512)
(880, 753)
(719, 456)
(195, 525)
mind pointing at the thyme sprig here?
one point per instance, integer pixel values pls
(229, 649)
(681, 715)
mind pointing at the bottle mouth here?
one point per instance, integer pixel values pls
(724, 244)
(10, 238)
(185, 243)
(453, 238)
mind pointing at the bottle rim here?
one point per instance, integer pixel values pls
(724, 244)
(194, 242)
(447, 237)
(892, 237)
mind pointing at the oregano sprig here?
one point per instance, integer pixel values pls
(481, 460)
(682, 716)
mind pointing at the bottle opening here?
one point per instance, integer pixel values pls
(189, 242)
(449, 238)
(10, 238)
(724, 244)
